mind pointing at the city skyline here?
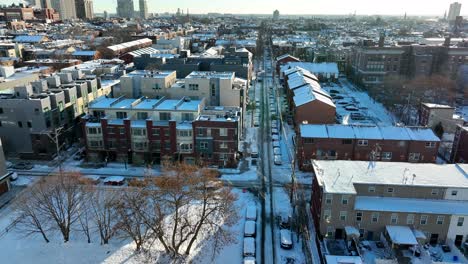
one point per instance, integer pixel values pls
(330, 7)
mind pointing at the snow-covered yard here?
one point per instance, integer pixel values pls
(33, 249)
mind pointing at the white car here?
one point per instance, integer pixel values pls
(276, 144)
(249, 247)
(286, 239)
(275, 137)
(274, 131)
(277, 151)
(249, 229)
(251, 213)
(277, 160)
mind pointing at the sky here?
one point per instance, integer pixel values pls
(362, 7)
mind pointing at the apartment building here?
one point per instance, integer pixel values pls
(309, 103)
(20, 12)
(29, 114)
(460, 145)
(371, 64)
(425, 202)
(146, 83)
(366, 143)
(217, 135)
(431, 115)
(150, 130)
(4, 174)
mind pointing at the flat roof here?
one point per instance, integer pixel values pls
(367, 132)
(150, 74)
(339, 176)
(210, 74)
(410, 205)
(182, 104)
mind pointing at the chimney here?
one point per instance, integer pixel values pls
(447, 41)
(381, 41)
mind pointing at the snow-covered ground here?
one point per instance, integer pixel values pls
(372, 111)
(33, 249)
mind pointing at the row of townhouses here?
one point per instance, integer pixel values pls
(418, 202)
(148, 130)
(358, 142)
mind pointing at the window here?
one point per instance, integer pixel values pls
(187, 117)
(410, 219)
(29, 124)
(401, 143)
(430, 144)
(371, 189)
(308, 140)
(440, 220)
(223, 132)
(375, 217)
(185, 147)
(203, 145)
(167, 145)
(139, 132)
(330, 231)
(213, 90)
(141, 145)
(363, 142)
(94, 130)
(155, 132)
(328, 199)
(344, 199)
(346, 141)
(156, 145)
(112, 144)
(414, 156)
(201, 132)
(156, 86)
(454, 193)
(184, 133)
(435, 191)
(390, 190)
(386, 155)
(164, 116)
(166, 132)
(460, 221)
(142, 115)
(343, 215)
(193, 87)
(121, 115)
(327, 215)
(20, 124)
(223, 145)
(423, 220)
(95, 143)
(394, 219)
(358, 216)
(121, 131)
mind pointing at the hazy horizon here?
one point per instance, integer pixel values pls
(292, 7)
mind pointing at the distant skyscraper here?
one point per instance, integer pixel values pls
(125, 8)
(84, 9)
(66, 8)
(40, 3)
(143, 9)
(106, 15)
(454, 11)
(276, 15)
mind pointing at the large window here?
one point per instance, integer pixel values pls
(460, 221)
(121, 115)
(363, 142)
(423, 220)
(410, 219)
(142, 115)
(203, 145)
(414, 156)
(344, 199)
(223, 132)
(327, 215)
(394, 219)
(139, 132)
(184, 133)
(328, 199)
(375, 217)
(94, 130)
(193, 87)
(343, 215)
(187, 117)
(358, 216)
(440, 219)
(164, 116)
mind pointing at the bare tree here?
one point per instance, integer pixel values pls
(131, 219)
(194, 202)
(103, 212)
(29, 221)
(85, 214)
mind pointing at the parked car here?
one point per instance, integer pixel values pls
(251, 213)
(277, 160)
(351, 108)
(285, 221)
(250, 260)
(446, 248)
(276, 144)
(249, 229)
(23, 166)
(286, 239)
(274, 131)
(277, 151)
(275, 137)
(249, 247)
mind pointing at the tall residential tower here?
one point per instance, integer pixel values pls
(143, 9)
(125, 8)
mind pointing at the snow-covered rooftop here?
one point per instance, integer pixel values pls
(339, 176)
(367, 132)
(422, 206)
(401, 235)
